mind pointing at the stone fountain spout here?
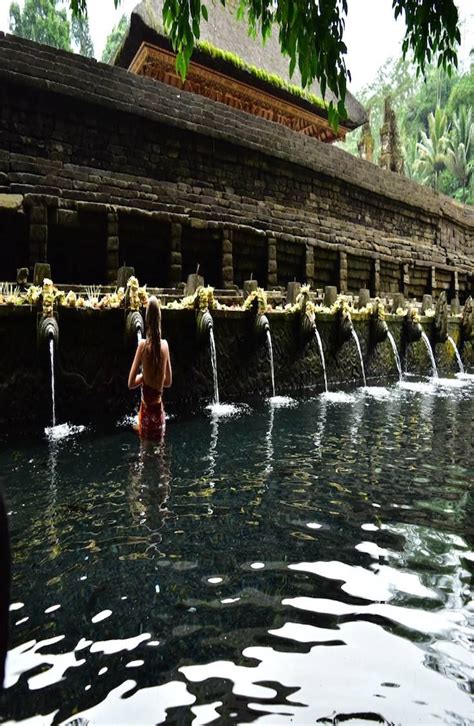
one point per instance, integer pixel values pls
(48, 329)
(441, 319)
(343, 325)
(307, 326)
(412, 329)
(204, 324)
(467, 320)
(261, 327)
(307, 319)
(378, 326)
(134, 328)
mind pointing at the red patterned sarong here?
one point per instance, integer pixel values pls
(151, 416)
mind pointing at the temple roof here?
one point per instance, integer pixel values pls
(224, 32)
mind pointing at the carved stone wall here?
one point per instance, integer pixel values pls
(92, 363)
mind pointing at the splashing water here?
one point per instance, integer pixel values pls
(357, 342)
(456, 352)
(212, 346)
(53, 399)
(434, 370)
(321, 355)
(395, 353)
(270, 354)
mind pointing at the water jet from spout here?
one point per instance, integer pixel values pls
(456, 352)
(434, 370)
(53, 397)
(270, 355)
(357, 342)
(321, 355)
(396, 355)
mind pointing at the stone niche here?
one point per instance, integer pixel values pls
(250, 253)
(420, 281)
(202, 247)
(77, 246)
(14, 243)
(359, 273)
(291, 261)
(326, 267)
(390, 276)
(145, 244)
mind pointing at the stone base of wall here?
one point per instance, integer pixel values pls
(92, 363)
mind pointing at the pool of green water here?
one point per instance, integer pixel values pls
(307, 562)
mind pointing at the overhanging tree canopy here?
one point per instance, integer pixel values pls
(310, 33)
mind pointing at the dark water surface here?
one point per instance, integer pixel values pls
(286, 565)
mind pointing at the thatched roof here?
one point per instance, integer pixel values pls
(225, 32)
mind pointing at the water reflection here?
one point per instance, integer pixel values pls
(310, 563)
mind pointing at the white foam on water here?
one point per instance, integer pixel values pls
(127, 421)
(338, 397)
(418, 386)
(468, 377)
(281, 401)
(377, 391)
(63, 431)
(449, 382)
(223, 410)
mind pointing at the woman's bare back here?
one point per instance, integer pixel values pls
(159, 377)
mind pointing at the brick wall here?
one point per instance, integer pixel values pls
(77, 136)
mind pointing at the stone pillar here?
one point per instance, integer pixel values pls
(375, 291)
(405, 279)
(342, 282)
(38, 234)
(272, 263)
(364, 297)
(176, 261)
(292, 291)
(310, 264)
(227, 260)
(432, 283)
(112, 248)
(455, 283)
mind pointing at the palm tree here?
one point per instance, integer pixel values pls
(412, 163)
(459, 154)
(432, 147)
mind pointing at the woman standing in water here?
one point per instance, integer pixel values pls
(153, 357)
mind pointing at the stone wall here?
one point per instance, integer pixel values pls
(83, 144)
(92, 362)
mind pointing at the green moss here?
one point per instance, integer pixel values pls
(270, 78)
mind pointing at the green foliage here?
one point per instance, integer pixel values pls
(81, 36)
(114, 40)
(263, 75)
(311, 35)
(443, 161)
(42, 21)
(432, 147)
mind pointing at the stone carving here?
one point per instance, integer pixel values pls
(441, 318)
(412, 328)
(48, 329)
(261, 327)
(378, 326)
(134, 326)
(342, 325)
(366, 143)
(467, 322)
(204, 324)
(390, 153)
(306, 310)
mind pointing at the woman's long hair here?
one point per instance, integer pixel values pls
(153, 331)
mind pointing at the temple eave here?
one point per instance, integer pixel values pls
(158, 63)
